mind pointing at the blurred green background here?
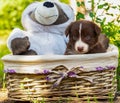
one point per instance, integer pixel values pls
(10, 16)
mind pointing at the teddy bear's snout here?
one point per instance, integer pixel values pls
(48, 4)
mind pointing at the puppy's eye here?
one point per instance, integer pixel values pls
(87, 37)
(75, 37)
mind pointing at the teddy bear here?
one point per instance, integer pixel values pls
(44, 26)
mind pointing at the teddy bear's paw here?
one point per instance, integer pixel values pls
(20, 45)
(29, 52)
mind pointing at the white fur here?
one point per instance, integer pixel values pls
(43, 39)
(80, 43)
(46, 16)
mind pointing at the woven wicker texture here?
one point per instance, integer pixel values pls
(36, 86)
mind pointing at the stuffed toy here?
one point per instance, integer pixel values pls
(44, 25)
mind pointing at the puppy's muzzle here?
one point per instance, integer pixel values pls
(80, 49)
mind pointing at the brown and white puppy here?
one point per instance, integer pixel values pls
(85, 37)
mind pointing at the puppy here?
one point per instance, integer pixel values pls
(85, 37)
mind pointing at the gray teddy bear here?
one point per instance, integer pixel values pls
(44, 26)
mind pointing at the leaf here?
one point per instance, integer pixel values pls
(80, 15)
(107, 8)
(102, 5)
(109, 14)
(92, 14)
(99, 20)
(80, 4)
(114, 7)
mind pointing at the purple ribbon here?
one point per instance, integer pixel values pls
(66, 74)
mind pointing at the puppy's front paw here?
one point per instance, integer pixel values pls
(69, 52)
(20, 45)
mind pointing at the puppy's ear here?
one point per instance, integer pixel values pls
(67, 31)
(97, 29)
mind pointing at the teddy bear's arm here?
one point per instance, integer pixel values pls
(18, 42)
(20, 45)
(16, 33)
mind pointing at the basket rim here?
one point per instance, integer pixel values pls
(113, 50)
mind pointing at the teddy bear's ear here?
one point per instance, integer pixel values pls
(67, 31)
(26, 38)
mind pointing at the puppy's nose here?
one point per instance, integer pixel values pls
(48, 4)
(80, 49)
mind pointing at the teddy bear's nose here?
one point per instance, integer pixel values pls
(48, 4)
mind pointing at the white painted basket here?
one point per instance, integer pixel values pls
(62, 76)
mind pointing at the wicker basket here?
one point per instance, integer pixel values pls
(62, 77)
